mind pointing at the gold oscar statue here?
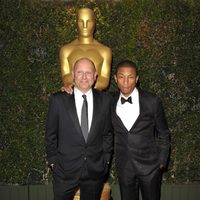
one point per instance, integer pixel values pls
(85, 46)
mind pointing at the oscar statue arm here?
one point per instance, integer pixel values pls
(66, 71)
(104, 77)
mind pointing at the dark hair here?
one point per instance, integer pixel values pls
(126, 63)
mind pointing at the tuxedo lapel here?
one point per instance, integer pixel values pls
(141, 105)
(71, 109)
(96, 110)
(116, 117)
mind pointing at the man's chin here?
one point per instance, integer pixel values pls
(85, 89)
(126, 92)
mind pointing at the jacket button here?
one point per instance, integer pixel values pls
(85, 158)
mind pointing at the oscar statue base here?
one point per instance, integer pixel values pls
(105, 195)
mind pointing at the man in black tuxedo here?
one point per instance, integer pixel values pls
(78, 136)
(141, 136)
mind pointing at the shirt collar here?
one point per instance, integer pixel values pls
(79, 93)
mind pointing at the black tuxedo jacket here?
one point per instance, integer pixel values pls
(146, 145)
(65, 144)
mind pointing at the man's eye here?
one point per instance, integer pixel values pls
(89, 74)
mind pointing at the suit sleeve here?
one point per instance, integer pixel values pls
(162, 133)
(108, 135)
(51, 134)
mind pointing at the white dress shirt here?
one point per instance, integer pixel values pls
(79, 103)
(128, 112)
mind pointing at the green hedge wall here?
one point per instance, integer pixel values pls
(161, 36)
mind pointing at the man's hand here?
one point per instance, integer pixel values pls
(161, 167)
(67, 88)
(51, 167)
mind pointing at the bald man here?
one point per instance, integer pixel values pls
(78, 136)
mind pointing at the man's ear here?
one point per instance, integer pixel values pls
(95, 76)
(72, 74)
(137, 78)
(115, 77)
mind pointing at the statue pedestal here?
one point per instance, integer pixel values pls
(105, 195)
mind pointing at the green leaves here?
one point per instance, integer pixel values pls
(162, 37)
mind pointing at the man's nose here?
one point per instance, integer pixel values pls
(85, 24)
(125, 81)
(84, 75)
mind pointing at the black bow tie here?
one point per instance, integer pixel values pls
(123, 100)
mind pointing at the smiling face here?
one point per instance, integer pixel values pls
(85, 22)
(126, 79)
(84, 74)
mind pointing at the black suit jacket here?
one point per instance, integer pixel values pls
(146, 145)
(65, 144)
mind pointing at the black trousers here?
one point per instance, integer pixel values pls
(149, 185)
(90, 188)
